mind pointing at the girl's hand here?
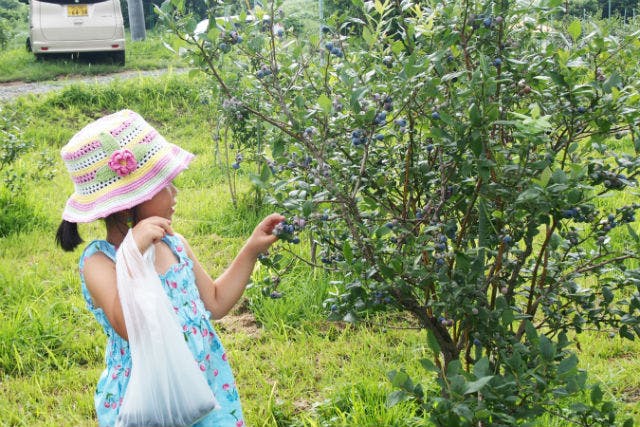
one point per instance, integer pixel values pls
(262, 237)
(150, 230)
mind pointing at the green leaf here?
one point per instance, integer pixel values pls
(567, 365)
(474, 115)
(432, 342)
(265, 173)
(596, 395)
(463, 411)
(532, 333)
(347, 252)
(325, 103)
(397, 47)
(559, 177)
(277, 147)
(397, 396)
(428, 365)
(307, 208)
(544, 177)
(356, 95)
(475, 386)
(381, 231)
(575, 29)
(547, 349)
(633, 234)
(368, 36)
(453, 369)
(481, 368)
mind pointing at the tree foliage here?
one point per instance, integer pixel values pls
(455, 162)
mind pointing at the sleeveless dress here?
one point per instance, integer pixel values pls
(180, 286)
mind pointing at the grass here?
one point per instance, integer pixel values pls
(16, 63)
(293, 367)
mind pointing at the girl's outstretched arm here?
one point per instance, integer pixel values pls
(220, 295)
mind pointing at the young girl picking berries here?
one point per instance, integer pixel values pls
(122, 170)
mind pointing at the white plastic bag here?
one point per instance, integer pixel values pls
(166, 387)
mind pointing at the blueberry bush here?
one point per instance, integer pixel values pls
(471, 164)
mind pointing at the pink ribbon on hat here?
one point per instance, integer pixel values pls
(123, 162)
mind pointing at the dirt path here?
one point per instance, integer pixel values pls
(11, 90)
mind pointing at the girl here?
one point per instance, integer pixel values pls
(122, 169)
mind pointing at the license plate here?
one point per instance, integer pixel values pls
(77, 10)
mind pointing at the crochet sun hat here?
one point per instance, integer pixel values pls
(116, 163)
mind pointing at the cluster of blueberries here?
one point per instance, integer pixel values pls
(380, 298)
(229, 39)
(286, 230)
(263, 72)
(358, 137)
(579, 214)
(239, 159)
(487, 21)
(333, 49)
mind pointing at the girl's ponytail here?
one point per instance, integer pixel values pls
(67, 236)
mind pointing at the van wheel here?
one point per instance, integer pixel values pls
(119, 57)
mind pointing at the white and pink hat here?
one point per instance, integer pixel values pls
(116, 163)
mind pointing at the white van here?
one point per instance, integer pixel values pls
(76, 26)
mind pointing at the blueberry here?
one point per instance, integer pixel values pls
(581, 109)
(328, 46)
(235, 165)
(325, 29)
(487, 22)
(379, 137)
(497, 62)
(506, 240)
(275, 294)
(435, 115)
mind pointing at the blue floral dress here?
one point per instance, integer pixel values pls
(180, 285)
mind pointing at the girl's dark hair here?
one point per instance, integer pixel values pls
(67, 236)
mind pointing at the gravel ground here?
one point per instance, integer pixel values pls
(11, 90)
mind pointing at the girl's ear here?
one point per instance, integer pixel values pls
(67, 236)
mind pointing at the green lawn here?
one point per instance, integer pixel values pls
(16, 63)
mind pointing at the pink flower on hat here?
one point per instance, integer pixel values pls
(123, 162)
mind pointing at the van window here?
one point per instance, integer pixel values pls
(71, 1)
